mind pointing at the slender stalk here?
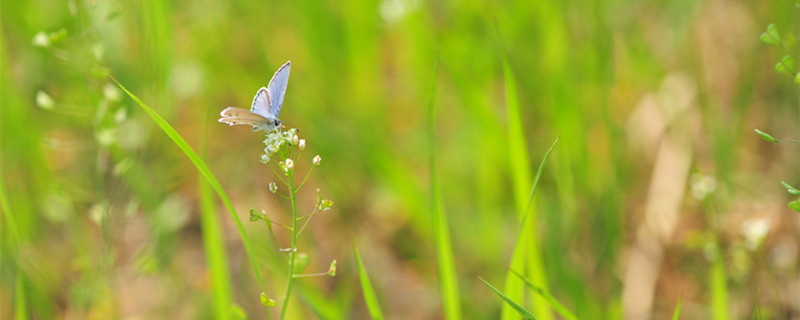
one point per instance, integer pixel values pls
(293, 248)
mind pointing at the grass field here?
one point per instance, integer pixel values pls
(435, 122)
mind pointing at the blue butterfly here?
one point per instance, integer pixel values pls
(263, 115)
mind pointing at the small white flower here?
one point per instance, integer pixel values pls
(295, 140)
(41, 39)
(316, 160)
(264, 158)
(273, 187)
(302, 144)
(289, 164)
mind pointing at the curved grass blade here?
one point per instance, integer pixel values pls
(677, 314)
(366, 286)
(444, 249)
(205, 172)
(516, 306)
(563, 311)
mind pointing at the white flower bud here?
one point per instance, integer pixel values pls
(41, 39)
(44, 101)
(316, 160)
(273, 187)
(289, 164)
(295, 140)
(302, 144)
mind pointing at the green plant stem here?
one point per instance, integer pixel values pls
(307, 175)
(293, 248)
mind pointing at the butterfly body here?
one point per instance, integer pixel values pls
(263, 114)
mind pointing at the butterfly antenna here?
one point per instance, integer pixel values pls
(284, 123)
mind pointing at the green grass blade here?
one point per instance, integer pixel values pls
(366, 286)
(756, 309)
(516, 306)
(20, 307)
(521, 178)
(677, 314)
(214, 245)
(719, 289)
(563, 311)
(523, 238)
(206, 173)
(448, 283)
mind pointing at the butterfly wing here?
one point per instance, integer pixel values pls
(261, 102)
(234, 116)
(277, 89)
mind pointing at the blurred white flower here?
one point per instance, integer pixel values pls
(289, 164)
(302, 144)
(111, 92)
(44, 101)
(702, 185)
(316, 160)
(754, 231)
(41, 39)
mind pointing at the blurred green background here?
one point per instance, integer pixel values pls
(658, 186)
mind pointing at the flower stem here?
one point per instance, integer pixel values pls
(293, 251)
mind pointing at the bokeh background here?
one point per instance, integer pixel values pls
(658, 187)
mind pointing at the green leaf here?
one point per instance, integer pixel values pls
(766, 136)
(516, 306)
(676, 315)
(267, 301)
(370, 297)
(236, 313)
(786, 65)
(795, 205)
(255, 216)
(771, 36)
(790, 189)
(563, 311)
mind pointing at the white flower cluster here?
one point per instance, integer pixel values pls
(276, 139)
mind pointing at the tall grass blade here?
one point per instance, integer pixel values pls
(205, 172)
(756, 309)
(513, 305)
(20, 307)
(366, 286)
(526, 257)
(560, 308)
(719, 289)
(448, 283)
(677, 314)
